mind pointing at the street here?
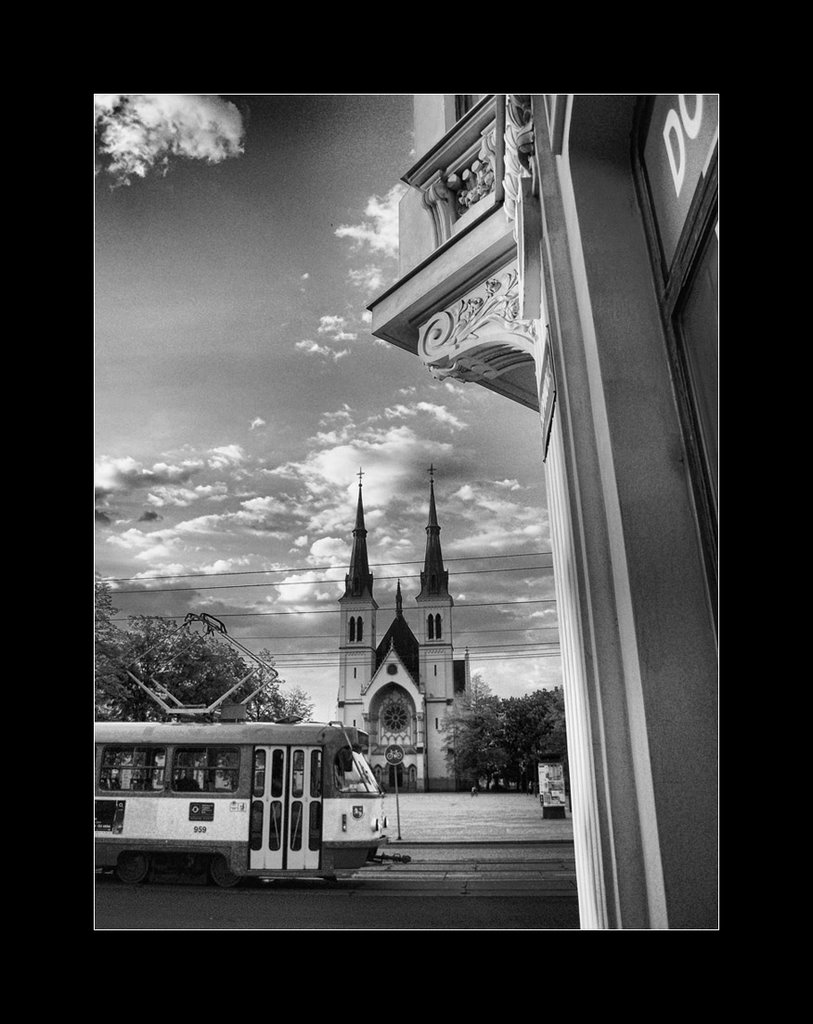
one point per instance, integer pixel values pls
(467, 886)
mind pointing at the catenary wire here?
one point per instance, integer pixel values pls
(313, 568)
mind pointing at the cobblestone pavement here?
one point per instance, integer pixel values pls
(462, 818)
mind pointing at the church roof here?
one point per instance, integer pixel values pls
(402, 639)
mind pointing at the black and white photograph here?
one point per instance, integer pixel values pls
(406, 488)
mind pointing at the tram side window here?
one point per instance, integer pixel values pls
(133, 768)
(205, 769)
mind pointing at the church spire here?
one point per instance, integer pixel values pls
(359, 581)
(399, 606)
(434, 578)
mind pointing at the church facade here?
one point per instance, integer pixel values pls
(401, 688)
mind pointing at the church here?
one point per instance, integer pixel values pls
(401, 688)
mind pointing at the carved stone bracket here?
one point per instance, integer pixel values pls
(480, 337)
(522, 208)
(519, 148)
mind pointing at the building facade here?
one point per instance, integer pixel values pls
(561, 251)
(400, 689)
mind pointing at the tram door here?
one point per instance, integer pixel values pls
(286, 808)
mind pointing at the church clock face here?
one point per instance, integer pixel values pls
(394, 717)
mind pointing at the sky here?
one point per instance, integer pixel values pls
(239, 393)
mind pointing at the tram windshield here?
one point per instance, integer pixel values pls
(352, 774)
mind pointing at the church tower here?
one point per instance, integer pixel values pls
(437, 668)
(357, 627)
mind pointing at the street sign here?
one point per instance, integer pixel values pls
(394, 754)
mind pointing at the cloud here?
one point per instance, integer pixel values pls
(313, 348)
(258, 421)
(138, 132)
(369, 278)
(149, 516)
(225, 456)
(334, 328)
(438, 412)
(379, 232)
(125, 474)
(102, 517)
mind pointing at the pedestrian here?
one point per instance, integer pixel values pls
(474, 791)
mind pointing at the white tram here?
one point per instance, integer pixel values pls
(234, 800)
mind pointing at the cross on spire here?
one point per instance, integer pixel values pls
(360, 474)
(431, 473)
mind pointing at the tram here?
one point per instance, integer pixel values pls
(229, 800)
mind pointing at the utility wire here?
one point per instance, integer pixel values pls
(317, 583)
(337, 611)
(312, 568)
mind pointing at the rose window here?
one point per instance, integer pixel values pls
(395, 717)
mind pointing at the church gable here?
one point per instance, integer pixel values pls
(400, 638)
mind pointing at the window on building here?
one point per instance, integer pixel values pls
(430, 627)
(676, 174)
(127, 767)
(352, 628)
(205, 769)
(359, 628)
(435, 668)
(437, 627)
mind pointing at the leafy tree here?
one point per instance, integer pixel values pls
(495, 738)
(475, 747)
(195, 667)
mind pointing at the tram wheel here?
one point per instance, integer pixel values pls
(221, 873)
(132, 868)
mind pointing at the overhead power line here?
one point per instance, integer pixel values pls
(317, 583)
(337, 611)
(312, 568)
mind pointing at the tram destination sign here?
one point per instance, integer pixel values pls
(394, 754)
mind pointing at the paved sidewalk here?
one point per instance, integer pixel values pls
(462, 818)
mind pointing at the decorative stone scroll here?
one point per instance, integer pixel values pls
(481, 336)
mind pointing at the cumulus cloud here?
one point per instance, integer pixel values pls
(148, 516)
(258, 421)
(125, 474)
(334, 328)
(313, 348)
(225, 456)
(139, 132)
(379, 231)
(369, 279)
(438, 412)
(102, 517)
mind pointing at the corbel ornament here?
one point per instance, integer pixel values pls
(439, 200)
(481, 336)
(519, 151)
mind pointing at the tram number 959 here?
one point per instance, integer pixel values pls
(199, 828)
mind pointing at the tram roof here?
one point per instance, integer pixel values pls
(218, 732)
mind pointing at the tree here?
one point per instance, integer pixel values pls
(196, 667)
(496, 738)
(475, 747)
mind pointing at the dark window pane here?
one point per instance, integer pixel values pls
(296, 825)
(315, 826)
(256, 827)
(259, 773)
(277, 772)
(298, 777)
(698, 330)
(275, 826)
(316, 773)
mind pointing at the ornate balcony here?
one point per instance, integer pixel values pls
(460, 304)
